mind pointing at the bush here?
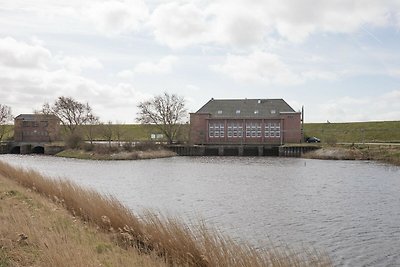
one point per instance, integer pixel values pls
(105, 149)
(145, 146)
(73, 141)
(88, 147)
(128, 146)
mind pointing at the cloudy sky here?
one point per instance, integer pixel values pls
(338, 58)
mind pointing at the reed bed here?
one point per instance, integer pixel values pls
(175, 243)
(37, 232)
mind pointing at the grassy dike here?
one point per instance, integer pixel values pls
(355, 132)
(46, 222)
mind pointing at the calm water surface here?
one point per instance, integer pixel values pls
(350, 209)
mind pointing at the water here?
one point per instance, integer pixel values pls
(349, 209)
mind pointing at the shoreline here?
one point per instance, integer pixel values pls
(386, 154)
(119, 155)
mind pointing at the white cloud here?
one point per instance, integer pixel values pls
(380, 107)
(268, 68)
(258, 67)
(320, 75)
(22, 55)
(76, 64)
(125, 74)
(179, 25)
(163, 66)
(248, 23)
(26, 82)
(116, 17)
(237, 23)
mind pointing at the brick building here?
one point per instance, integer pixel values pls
(245, 121)
(36, 128)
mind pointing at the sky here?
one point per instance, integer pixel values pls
(340, 59)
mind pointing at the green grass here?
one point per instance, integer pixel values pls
(8, 130)
(132, 132)
(355, 132)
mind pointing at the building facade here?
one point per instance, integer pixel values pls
(36, 128)
(245, 121)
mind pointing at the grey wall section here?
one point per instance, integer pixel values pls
(5, 148)
(30, 148)
(242, 150)
(52, 150)
(225, 150)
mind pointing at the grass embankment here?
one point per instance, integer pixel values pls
(383, 153)
(100, 231)
(119, 155)
(132, 132)
(350, 132)
(355, 132)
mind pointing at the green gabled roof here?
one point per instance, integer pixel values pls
(249, 108)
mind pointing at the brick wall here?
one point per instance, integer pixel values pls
(36, 130)
(198, 128)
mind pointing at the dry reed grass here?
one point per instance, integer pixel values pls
(37, 232)
(174, 242)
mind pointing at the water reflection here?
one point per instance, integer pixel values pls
(350, 209)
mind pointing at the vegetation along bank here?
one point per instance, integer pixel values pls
(383, 153)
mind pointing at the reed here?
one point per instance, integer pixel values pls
(37, 232)
(174, 242)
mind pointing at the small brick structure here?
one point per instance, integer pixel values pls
(245, 121)
(36, 128)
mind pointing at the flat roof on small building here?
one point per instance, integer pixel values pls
(35, 117)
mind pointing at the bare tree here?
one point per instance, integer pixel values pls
(107, 132)
(119, 131)
(71, 112)
(92, 127)
(166, 111)
(5, 118)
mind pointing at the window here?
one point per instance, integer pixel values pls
(253, 129)
(219, 111)
(267, 127)
(216, 130)
(235, 130)
(256, 111)
(272, 129)
(238, 111)
(273, 111)
(278, 129)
